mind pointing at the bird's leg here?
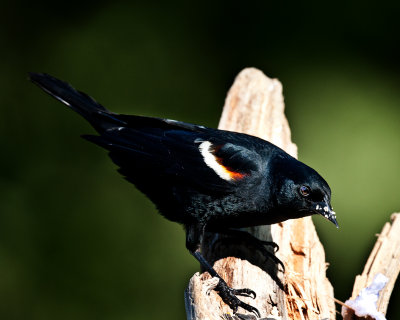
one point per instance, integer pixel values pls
(228, 295)
(254, 241)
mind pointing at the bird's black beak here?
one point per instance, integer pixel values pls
(324, 209)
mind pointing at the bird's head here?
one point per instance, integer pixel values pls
(303, 192)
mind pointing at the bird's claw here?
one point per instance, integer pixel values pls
(228, 295)
(257, 243)
(244, 293)
(272, 244)
(261, 246)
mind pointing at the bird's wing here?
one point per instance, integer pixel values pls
(152, 152)
(147, 149)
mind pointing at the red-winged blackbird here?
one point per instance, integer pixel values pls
(203, 178)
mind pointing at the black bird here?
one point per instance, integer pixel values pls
(202, 178)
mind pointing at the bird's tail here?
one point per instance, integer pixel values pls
(78, 101)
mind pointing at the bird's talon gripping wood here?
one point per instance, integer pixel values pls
(202, 178)
(228, 295)
(251, 240)
(271, 244)
(244, 293)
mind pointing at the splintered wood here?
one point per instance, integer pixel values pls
(385, 259)
(255, 106)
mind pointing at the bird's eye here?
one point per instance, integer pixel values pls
(305, 191)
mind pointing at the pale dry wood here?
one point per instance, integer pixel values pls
(385, 259)
(254, 105)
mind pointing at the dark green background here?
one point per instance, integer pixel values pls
(79, 242)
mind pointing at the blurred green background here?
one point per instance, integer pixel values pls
(79, 242)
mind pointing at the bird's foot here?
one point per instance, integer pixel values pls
(271, 244)
(229, 296)
(260, 245)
